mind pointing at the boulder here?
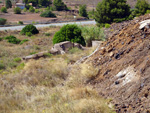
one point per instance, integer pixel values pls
(145, 24)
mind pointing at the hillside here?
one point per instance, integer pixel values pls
(124, 67)
(94, 2)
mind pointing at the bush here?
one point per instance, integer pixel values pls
(37, 11)
(107, 25)
(29, 28)
(70, 33)
(82, 11)
(20, 22)
(23, 41)
(1, 39)
(25, 9)
(109, 11)
(59, 5)
(12, 39)
(2, 66)
(148, 11)
(28, 34)
(17, 59)
(3, 21)
(141, 7)
(47, 13)
(27, 6)
(31, 9)
(17, 10)
(92, 33)
(47, 34)
(3, 10)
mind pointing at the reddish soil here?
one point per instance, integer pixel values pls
(24, 17)
(124, 67)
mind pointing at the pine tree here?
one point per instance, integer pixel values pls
(109, 11)
(82, 11)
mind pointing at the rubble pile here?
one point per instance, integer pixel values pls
(124, 66)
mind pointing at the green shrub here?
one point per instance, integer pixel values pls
(32, 53)
(2, 66)
(23, 41)
(12, 64)
(29, 28)
(4, 10)
(20, 22)
(92, 33)
(27, 6)
(3, 21)
(17, 59)
(74, 50)
(47, 13)
(59, 5)
(48, 55)
(37, 11)
(28, 34)
(70, 33)
(47, 34)
(17, 10)
(31, 9)
(148, 11)
(141, 7)
(1, 39)
(25, 9)
(107, 25)
(12, 39)
(82, 11)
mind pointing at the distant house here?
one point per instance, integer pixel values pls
(20, 5)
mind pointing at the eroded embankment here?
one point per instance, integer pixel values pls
(124, 67)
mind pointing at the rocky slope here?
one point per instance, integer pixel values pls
(124, 67)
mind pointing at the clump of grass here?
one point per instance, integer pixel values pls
(12, 39)
(23, 41)
(47, 34)
(2, 66)
(74, 50)
(17, 59)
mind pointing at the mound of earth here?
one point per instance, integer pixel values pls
(124, 67)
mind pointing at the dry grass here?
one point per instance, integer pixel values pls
(47, 85)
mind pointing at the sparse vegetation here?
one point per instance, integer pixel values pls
(12, 39)
(70, 33)
(20, 22)
(4, 10)
(17, 10)
(3, 21)
(23, 41)
(47, 84)
(29, 29)
(92, 33)
(47, 13)
(107, 25)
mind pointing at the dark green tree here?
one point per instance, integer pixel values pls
(8, 4)
(44, 2)
(82, 11)
(141, 7)
(59, 5)
(109, 11)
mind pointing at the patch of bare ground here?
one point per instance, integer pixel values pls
(124, 67)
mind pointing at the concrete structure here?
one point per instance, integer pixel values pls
(96, 43)
(20, 5)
